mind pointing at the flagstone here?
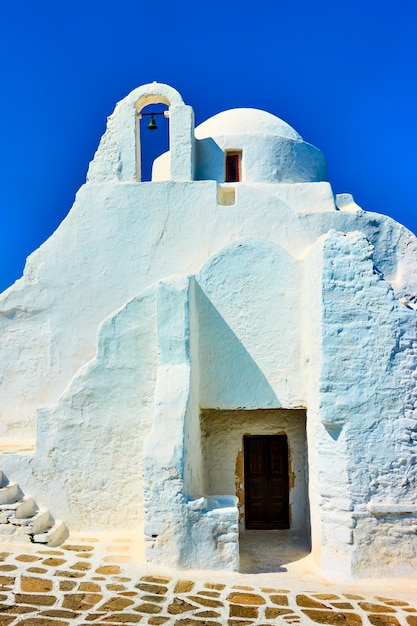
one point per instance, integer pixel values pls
(73, 548)
(84, 555)
(376, 608)
(42, 621)
(209, 594)
(37, 570)
(163, 580)
(15, 609)
(148, 607)
(67, 585)
(128, 594)
(108, 569)
(116, 587)
(237, 610)
(36, 599)
(116, 604)
(27, 558)
(69, 574)
(153, 598)
(81, 601)
(330, 617)
(157, 589)
(123, 618)
(87, 586)
(273, 613)
(246, 598)
(204, 601)
(383, 620)
(306, 601)
(342, 605)
(32, 584)
(207, 614)
(281, 600)
(194, 622)
(59, 613)
(178, 605)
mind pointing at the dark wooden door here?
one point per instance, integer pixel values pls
(266, 481)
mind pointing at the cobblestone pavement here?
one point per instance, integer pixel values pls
(86, 582)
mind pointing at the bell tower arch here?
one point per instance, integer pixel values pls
(181, 129)
(119, 153)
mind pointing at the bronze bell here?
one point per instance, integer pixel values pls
(152, 124)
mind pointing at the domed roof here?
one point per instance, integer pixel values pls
(245, 122)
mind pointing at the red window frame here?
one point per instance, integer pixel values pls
(232, 167)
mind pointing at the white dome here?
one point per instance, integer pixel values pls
(245, 122)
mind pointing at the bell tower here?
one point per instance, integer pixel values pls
(119, 153)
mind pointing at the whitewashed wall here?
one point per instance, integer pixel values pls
(297, 301)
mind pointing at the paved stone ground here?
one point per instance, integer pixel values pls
(88, 582)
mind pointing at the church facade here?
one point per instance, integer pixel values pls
(226, 347)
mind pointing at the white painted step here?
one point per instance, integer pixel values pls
(22, 522)
(9, 494)
(25, 508)
(53, 537)
(42, 522)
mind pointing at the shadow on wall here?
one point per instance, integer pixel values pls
(210, 160)
(230, 378)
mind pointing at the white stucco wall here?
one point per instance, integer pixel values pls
(282, 300)
(249, 322)
(87, 467)
(370, 396)
(119, 238)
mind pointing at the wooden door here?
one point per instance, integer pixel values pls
(266, 481)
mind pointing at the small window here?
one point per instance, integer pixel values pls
(233, 161)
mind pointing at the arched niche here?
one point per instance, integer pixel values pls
(181, 129)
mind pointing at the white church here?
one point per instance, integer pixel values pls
(227, 347)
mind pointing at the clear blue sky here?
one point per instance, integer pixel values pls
(343, 74)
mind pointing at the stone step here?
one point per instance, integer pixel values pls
(26, 508)
(6, 530)
(10, 506)
(9, 493)
(22, 522)
(53, 537)
(42, 522)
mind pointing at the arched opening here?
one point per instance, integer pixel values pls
(150, 143)
(153, 142)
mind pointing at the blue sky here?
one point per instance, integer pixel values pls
(343, 74)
